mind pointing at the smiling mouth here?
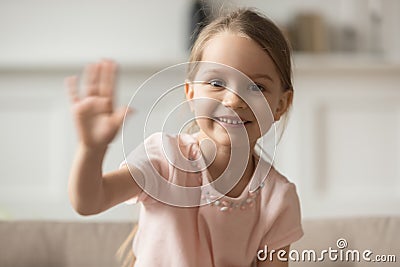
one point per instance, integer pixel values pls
(231, 120)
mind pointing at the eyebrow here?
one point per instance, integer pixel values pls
(261, 75)
(212, 71)
(252, 77)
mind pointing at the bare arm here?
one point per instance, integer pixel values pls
(97, 123)
(92, 192)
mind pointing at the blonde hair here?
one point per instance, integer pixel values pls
(254, 25)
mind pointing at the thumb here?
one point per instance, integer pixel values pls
(119, 115)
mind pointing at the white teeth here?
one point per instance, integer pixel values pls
(230, 121)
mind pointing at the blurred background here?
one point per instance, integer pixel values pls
(342, 144)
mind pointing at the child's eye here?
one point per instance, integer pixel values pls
(257, 87)
(217, 83)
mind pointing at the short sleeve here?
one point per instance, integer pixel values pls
(286, 227)
(145, 164)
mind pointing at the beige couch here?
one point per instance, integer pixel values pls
(67, 244)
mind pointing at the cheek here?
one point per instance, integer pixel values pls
(272, 101)
(204, 104)
(263, 115)
(264, 122)
(204, 107)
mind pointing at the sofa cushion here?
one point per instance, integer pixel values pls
(381, 235)
(62, 244)
(86, 244)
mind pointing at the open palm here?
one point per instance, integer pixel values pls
(96, 120)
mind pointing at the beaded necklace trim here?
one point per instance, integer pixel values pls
(226, 205)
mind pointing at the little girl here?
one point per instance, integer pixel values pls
(233, 229)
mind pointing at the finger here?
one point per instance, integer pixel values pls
(98, 105)
(119, 115)
(107, 78)
(72, 88)
(91, 74)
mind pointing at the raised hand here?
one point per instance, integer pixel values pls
(96, 120)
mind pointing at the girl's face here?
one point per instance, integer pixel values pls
(236, 102)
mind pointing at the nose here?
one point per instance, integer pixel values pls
(232, 100)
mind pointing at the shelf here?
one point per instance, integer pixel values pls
(342, 62)
(302, 62)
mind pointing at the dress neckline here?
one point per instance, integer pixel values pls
(256, 182)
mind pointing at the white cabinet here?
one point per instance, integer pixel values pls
(342, 146)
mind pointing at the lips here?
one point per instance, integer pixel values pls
(231, 120)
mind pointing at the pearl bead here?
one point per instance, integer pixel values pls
(227, 205)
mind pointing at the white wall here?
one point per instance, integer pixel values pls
(70, 32)
(47, 32)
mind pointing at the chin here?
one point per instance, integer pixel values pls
(224, 137)
(232, 140)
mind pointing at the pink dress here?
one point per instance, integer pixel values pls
(223, 231)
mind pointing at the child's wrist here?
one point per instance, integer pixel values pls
(97, 149)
